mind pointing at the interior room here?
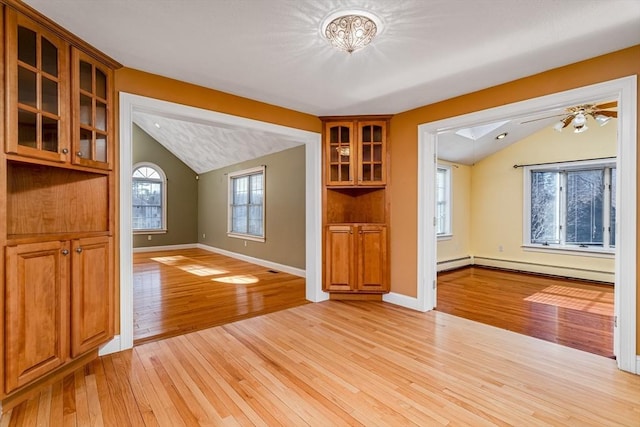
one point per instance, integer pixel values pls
(295, 156)
(196, 200)
(487, 226)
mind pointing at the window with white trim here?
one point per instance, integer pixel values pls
(571, 205)
(246, 204)
(443, 200)
(149, 198)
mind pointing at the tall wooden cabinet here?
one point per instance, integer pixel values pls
(355, 206)
(57, 210)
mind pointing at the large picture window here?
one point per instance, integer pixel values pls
(571, 205)
(246, 204)
(149, 198)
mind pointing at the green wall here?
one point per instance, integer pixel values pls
(285, 209)
(182, 193)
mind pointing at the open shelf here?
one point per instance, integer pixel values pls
(49, 200)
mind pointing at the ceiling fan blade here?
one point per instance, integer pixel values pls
(543, 118)
(607, 105)
(608, 113)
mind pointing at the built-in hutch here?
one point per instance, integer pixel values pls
(355, 206)
(57, 200)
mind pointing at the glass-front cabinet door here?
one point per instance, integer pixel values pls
(92, 109)
(371, 153)
(37, 90)
(339, 153)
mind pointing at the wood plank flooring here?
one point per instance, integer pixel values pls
(185, 290)
(340, 363)
(574, 313)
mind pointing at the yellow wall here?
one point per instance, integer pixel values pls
(497, 196)
(459, 245)
(404, 137)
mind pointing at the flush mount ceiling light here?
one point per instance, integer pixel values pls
(350, 30)
(577, 116)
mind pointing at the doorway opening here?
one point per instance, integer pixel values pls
(623, 91)
(129, 104)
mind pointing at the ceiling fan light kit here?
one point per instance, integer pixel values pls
(577, 116)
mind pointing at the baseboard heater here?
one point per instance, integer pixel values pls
(596, 276)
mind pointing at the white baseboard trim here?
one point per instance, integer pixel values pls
(112, 346)
(451, 264)
(402, 300)
(165, 248)
(530, 267)
(268, 264)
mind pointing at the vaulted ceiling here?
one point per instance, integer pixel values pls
(273, 50)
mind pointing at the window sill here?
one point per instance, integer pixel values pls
(444, 237)
(571, 250)
(246, 237)
(136, 232)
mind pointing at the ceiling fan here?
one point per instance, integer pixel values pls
(577, 116)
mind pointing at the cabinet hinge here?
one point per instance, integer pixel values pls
(435, 221)
(615, 321)
(434, 283)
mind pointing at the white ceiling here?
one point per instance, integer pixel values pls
(273, 50)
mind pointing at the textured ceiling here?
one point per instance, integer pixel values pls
(207, 146)
(273, 50)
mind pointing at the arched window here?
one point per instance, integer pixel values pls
(149, 198)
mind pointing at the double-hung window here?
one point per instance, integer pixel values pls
(571, 205)
(149, 194)
(443, 201)
(246, 204)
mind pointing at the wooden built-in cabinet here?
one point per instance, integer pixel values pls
(36, 311)
(356, 258)
(355, 206)
(53, 315)
(355, 153)
(57, 204)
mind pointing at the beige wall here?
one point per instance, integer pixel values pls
(182, 193)
(284, 204)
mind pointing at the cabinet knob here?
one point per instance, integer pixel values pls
(65, 151)
(65, 252)
(79, 250)
(79, 154)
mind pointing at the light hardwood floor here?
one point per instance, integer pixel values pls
(181, 291)
(574, 313)
(342, 363)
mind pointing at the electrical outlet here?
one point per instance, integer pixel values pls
(245, 243)
(500, 248)
(149, 237)
(204, 236)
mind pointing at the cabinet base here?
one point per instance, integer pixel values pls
(355, 297)
(28, 391)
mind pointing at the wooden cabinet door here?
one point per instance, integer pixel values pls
(339, 258)
(92, 110)
(91, 294)
(372, 153)
(36, 310)
(37, 85)
(372, 258)
(340, 152)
